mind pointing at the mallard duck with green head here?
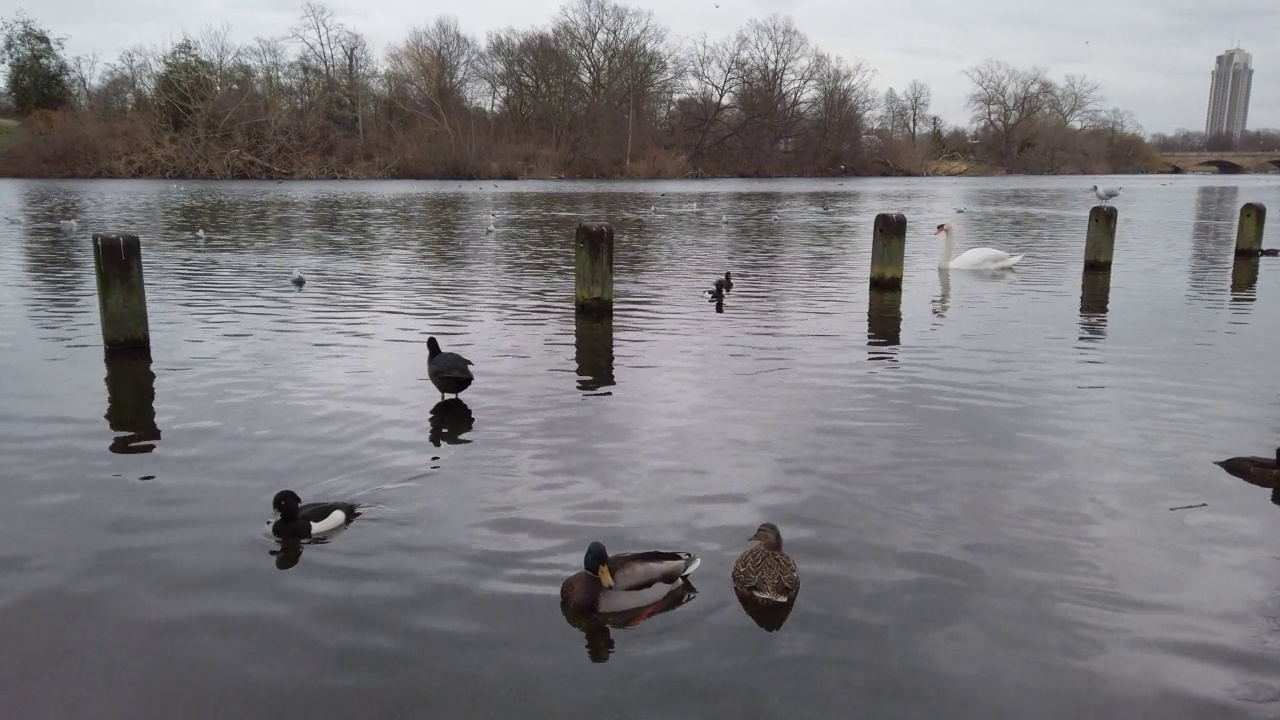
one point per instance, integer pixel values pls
(764, 571)
(616, 583)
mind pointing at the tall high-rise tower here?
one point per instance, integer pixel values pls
(1229, 94)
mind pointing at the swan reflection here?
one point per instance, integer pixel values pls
(450, 420)
(597, 627)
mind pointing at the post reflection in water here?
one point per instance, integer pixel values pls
(1213, 239)
(1244, 280)
(450, 420)
(1095, 296)
(596, 627)
(593, 351)
(884, 323)
(131, 401)
(770, 616)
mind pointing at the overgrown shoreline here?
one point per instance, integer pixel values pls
(604, 90)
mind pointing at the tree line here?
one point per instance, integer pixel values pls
(602, 90)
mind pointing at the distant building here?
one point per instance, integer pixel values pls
(1229, 94)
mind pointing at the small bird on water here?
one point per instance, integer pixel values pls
(728, 280)
(1105, 195)
(716, 293)
(298, 521)
(447, 371)
(614, 583)
(297, 279)
(199, 234)
(764, 571)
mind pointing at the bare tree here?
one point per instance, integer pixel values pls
(434, 72)
(1076, 100)
(1006, 104)
(915, 103)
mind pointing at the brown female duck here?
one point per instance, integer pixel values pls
(764, 571)
(617, 583)
(1260, 471)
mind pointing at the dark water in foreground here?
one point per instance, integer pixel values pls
(978, 496)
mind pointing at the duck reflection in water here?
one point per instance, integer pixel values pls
(450, 420)
(766, 579)
(597, 627)
(623, 591)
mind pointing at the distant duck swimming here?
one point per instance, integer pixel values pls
(728, 280)
(297, 279)
(1269, 252)
(609, 584)
(447, 371)
(298, 521)
(717, 293)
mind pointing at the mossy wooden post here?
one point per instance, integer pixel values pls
(122, 297)
(1100, 238)
(1253, 220)
(593, 264)
(888, 251)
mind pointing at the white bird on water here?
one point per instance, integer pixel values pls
(199, 233)
(960, 209)
(492, 228)
(984, 258)
(297, 279)
(69, 224)
(1106, 194)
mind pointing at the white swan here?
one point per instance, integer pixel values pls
(297, 279)
(975, 258)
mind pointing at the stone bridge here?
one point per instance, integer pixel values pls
(1223, 162)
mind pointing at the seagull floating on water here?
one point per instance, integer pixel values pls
(492, 228)
(960, 209)
(297, 278)
(1106, 194)
(199, 233)
(69, 224)
(775, 218)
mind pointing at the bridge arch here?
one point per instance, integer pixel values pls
(1272, 165)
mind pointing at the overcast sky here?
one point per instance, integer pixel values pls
(1151, 57)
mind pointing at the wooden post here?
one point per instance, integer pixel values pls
(1100, 239)
(1253, 220)
(593, 265)
(122, 297)
(888, 250)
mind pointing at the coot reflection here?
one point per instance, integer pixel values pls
(450, 420)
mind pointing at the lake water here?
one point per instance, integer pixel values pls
(977, 491)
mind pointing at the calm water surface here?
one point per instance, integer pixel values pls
(977, 490)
